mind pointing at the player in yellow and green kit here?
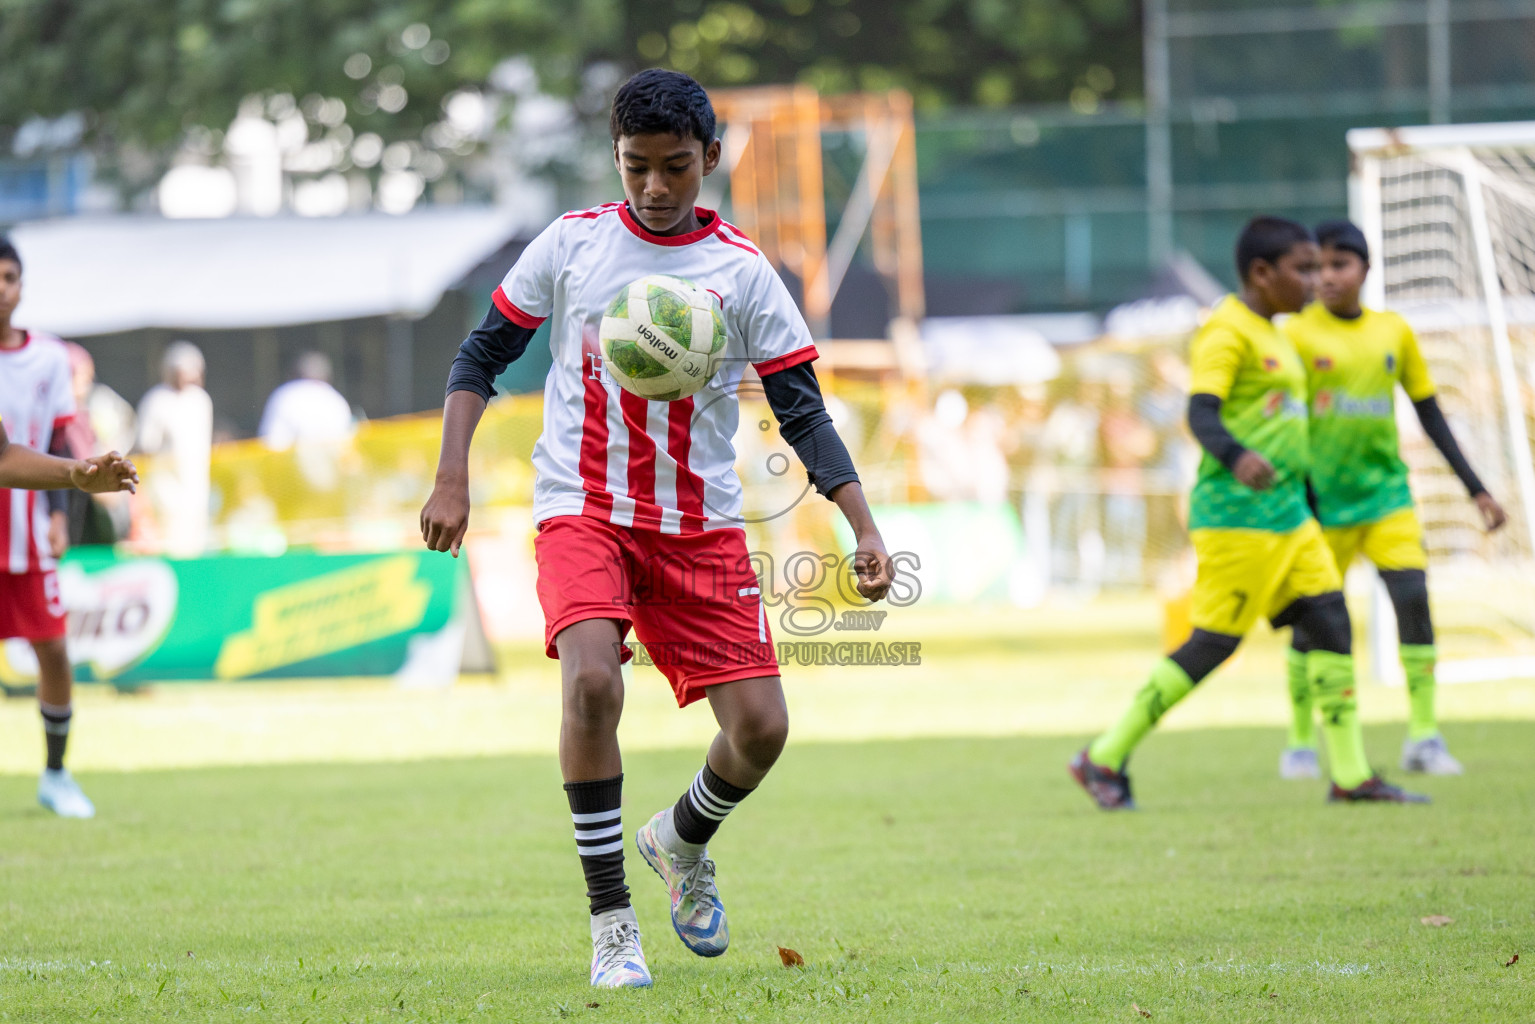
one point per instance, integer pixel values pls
(1355, 358)
(1260, 551)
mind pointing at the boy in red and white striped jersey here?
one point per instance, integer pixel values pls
(36, 402)
(639, 508)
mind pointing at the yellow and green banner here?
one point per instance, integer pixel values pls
(134, 620)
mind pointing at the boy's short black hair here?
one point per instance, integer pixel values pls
(1345, 235)
(8, 252)
(1267, 239)
(661, 102)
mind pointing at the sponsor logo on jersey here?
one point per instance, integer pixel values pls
(1283, 403)
(1322, 362)
(1377, 407)
(1270, 364)
(1322, 403)
(1390, 362)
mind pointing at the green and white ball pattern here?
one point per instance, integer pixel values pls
(662, 337)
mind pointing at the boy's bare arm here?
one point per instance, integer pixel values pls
(445, 517)
(870, 559)
(25, 469)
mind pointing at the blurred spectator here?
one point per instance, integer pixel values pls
(985, 455)
(306, 408)
(940, 437)
(1128, 443)
(1071, 445)
(105, 422)
(1164, 408)
(961, 451)
(109, 415)
(176, 424)
(1163, 404)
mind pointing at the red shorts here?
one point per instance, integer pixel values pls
(693, 599)
(30, 607)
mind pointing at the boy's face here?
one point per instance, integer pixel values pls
(662, 175)
(1343, 273)
(1288, 283)
(10, 287)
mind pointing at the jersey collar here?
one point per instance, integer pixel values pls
(710, 220)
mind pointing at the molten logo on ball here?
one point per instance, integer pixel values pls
(662, 337)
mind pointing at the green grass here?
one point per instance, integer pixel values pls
(922, 880)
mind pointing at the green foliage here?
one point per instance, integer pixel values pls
(145, 71)
(946, 52)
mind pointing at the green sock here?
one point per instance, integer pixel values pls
(1332, 683)
(1418, 661)
(1302, 708)
(1168, 685)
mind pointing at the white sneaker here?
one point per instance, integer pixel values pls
(1430, 756)
(617, 960)
(698, 916)
(58, 791)
(1299, 763)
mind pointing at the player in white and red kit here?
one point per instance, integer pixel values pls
(639, 508)
(36, 401)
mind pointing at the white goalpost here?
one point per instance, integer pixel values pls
(1449, 211)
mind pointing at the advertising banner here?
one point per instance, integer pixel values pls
(136, 620)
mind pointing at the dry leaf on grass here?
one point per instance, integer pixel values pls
(592, 1006)
(790, 958)
(1437, 920)
(1512, 961)
(1137, 1009)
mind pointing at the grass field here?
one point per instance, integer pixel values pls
(353, 852)
(925, 880)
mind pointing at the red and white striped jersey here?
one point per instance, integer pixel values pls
(36, 398)
(666, 466)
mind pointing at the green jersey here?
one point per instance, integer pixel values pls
(1254, 369)
(1352, 370)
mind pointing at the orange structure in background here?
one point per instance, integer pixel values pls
(772, 143)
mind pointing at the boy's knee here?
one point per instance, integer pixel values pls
(51, 651)
(1409, 599)
(594, 694)
(1204, 652)
(1321, 624)
(760, 737)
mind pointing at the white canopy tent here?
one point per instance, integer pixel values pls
(101, 275)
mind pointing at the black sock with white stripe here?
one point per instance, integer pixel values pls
(595, 809)
(56, 731)
(697, 815)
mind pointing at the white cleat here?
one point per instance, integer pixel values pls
(1299, 763)
(58, 791)
(617, 960)
(1430, 756)
(698, 916)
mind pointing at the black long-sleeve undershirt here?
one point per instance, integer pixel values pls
(1438, 430)
(795, 398)
(1209, 431)
(793, 394)
(486, 353)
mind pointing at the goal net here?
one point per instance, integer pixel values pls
(1450, 215)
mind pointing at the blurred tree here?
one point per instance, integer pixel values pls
(152, 78)
(946, 52)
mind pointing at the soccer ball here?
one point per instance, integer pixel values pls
(662, 337)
